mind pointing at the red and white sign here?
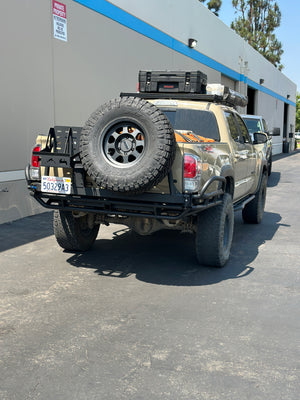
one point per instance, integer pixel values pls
(59, 11)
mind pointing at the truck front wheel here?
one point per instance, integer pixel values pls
(74, 233)
(214, 233)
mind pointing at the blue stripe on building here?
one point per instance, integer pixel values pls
(124, 18)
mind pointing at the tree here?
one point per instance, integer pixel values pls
(298, 113)
(256, 24)
(213, 5)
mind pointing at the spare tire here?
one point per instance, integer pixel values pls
(127, 145)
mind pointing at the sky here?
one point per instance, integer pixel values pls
(287, 34)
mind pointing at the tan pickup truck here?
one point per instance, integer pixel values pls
(176, 155)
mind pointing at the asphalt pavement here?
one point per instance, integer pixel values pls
(137, 318)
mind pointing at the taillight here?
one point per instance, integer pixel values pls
(190, 166)
(192, 173)
(35, 160)
(34, 168)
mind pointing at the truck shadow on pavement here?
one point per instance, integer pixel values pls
(168, 257)
(25, 230)
(274, 179)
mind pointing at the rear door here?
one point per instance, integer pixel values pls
(251, 154)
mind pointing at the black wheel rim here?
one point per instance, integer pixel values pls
(124, 144)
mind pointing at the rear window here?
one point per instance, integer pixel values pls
(201, 122)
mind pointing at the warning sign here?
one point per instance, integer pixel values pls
(59, 12)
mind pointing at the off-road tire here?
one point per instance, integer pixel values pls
(214, 233)
(127, 145)
(73, 234)
(253, 211)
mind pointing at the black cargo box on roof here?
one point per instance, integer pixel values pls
(172, 82)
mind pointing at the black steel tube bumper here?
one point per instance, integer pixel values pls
(173, 206)
(109, 206)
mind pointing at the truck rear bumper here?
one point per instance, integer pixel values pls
(173, 206)
(147, 206)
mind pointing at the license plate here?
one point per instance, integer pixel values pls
(54, 184)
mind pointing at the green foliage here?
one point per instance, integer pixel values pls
(298, 112)
(213, 5)
(256, 23)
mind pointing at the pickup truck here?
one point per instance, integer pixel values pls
(175, 155)
(256, 123)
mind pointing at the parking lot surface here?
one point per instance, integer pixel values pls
(137, 318)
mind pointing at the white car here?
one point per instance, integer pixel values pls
(297, 135)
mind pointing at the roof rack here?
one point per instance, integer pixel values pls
(174, 96)
(230, 98)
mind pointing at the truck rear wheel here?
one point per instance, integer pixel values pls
(253, 212)
(214, 233)
(127, 145)
(74, 234)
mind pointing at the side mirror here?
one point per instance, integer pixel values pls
(275, 132)
(259, 138)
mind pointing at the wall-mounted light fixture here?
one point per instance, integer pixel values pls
(192, 43)
(261, 81)
(287, 96)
